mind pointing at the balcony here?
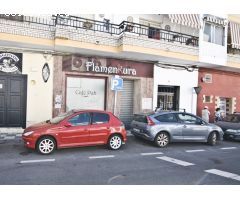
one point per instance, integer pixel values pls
(72, 28)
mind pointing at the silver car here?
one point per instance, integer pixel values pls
(165, 127)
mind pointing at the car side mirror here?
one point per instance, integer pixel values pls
(200, 122)
(67, 124)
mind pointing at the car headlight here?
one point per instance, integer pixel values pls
(233, 131)
(28, 133)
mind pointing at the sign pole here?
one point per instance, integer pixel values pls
(115, 103)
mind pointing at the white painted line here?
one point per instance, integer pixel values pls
(228, 148)
(224, 174)
(95, 157)
(36, 161)
(196, 150)
(153, 153)
(173, 160)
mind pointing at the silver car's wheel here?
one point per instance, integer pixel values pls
(46, 145)
(115, 142)
(162, 139)
(212, 139)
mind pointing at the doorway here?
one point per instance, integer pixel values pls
(13, 100)
(168, 97)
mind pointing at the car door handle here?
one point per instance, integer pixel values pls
(184, 126)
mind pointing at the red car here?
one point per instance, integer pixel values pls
(76, 128)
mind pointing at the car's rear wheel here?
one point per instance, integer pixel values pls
(46, 145)
(212, 139)
(162, 139)
(115, 142)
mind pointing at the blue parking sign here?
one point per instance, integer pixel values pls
(117, 83)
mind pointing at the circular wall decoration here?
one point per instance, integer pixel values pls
(45, 72)
(77, 62)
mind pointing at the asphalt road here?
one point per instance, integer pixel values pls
(137, 163)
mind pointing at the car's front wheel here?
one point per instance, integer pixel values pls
(115, 142)
(46, 145)
(212, 139)
(162, 139)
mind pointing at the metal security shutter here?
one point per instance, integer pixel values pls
(126, 103)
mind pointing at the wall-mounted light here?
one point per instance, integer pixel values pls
(45, 72)
(197, 89)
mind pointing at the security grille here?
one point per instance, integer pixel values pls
(126, 102)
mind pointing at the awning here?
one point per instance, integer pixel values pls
(215, 20)
(192, 20)
(235, 35)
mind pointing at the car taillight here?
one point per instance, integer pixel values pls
(150, 122)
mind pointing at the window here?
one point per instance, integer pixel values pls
(214, 34)
(207, 99)
(80, 120)
(166, 118)
(185, 118)
(100, 118)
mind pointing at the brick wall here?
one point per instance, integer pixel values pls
(224, 84)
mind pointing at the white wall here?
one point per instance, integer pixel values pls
(210, 52)
(39, 93)
(186, 80)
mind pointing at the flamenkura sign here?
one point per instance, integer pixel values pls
(90, 67)
(11, 62)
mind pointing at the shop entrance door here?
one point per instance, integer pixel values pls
(13, 100)
(168, 98)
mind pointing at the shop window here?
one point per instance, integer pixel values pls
(214, 34)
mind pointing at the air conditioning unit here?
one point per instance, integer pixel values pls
(87, 25)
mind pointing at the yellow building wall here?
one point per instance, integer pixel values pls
(39, 93)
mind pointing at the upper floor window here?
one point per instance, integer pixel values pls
(213, 33)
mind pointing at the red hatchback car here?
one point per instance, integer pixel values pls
(76, 128)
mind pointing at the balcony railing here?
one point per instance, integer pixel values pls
(110, 28)
(29, 19)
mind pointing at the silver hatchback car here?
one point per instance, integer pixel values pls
(165, 127)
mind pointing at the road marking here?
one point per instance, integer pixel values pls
(153, 153)
(228, 148)
(196, 150)
(173, 160)
(95, 157)
(224, 174)
(36, 161)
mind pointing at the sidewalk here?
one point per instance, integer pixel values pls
(10, 133)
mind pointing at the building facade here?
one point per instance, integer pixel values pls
(172, 62)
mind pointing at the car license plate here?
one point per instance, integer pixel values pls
(136, 130)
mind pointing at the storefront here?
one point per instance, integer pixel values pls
(219, 89)
(174, 89)
(25, 88)
(82, 82)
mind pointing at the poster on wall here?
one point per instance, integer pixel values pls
(11, 62)
(85, 93)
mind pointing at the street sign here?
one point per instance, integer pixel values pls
(117, 83)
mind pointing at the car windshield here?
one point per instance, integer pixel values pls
(60, 117)
(232, 118)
